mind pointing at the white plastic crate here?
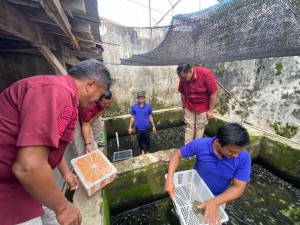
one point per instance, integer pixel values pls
(94, 171)
(190, 187)
(122, 155)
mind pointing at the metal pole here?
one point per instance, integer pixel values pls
(167, 13)
(150, 23)
(150, 12)
(118, 145)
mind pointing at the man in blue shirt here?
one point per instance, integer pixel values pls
(141, 115)
(220, 160)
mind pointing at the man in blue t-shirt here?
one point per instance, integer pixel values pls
(219, 160)
(141, 115)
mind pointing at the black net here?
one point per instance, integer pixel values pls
(230, 31)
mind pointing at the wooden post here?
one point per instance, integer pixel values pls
(52, 59)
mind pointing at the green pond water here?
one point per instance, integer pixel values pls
(267, 200)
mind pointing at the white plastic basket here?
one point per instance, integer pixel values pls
(97, 165)
(190, 187)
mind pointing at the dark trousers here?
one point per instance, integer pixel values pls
(143, 138)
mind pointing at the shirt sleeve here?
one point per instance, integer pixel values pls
(150, 112)
(211, 83)
(88, 112)
(190, 149)
(243, 171)
(180, 87)
(132, 111)
(45, 113)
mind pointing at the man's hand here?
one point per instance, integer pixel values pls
(72, 180)
(154, 130)
(69, 215)
(209, 114)
(129, 130)
(170, 188)
(88, 148)
(211, 212)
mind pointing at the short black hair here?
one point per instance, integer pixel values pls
(183, 67)
(106, 95)
(92, 69)
(233, 133)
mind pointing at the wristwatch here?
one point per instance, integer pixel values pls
(87, 144)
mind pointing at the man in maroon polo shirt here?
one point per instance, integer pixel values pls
(37, 121)
(198, 89)
(90, 118)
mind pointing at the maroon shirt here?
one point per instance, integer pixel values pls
(36, 111)
(198, 90)
(88, 112)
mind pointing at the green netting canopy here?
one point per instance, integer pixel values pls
(230, 31)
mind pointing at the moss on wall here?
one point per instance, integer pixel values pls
(105, 208)
(278, 69)
(222, 104)
(117, 124)
(162, 120)
(213, 125)
(221, 69)
(281, 159)
(287, 131)
(135, 188)
(254, 146)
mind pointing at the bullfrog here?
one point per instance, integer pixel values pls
(196, 210)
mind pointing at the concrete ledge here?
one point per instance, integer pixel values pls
(142, 178)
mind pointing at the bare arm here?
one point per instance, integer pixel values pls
(35, 174)
(183, 102)
(86, 129)
(130, 124)
(97, 115)
(212, 103)
(211, 206)
(69, 177)
(152, 123)
(169, 186)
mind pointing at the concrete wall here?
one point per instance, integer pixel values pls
(267, 88)
(159, 83)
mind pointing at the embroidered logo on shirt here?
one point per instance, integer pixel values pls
(64, 119)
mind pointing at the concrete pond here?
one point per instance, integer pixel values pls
(140, 181)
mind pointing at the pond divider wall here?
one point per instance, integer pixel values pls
(141, 180)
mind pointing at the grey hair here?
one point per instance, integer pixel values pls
(92, 69)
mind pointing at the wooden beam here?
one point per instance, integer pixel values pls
(52, 59)
(14, 23)
(40, 16)
(63, 20)
(56, 13)
(74, 5)
(80, 26)
(30, 51)
(54, 29)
